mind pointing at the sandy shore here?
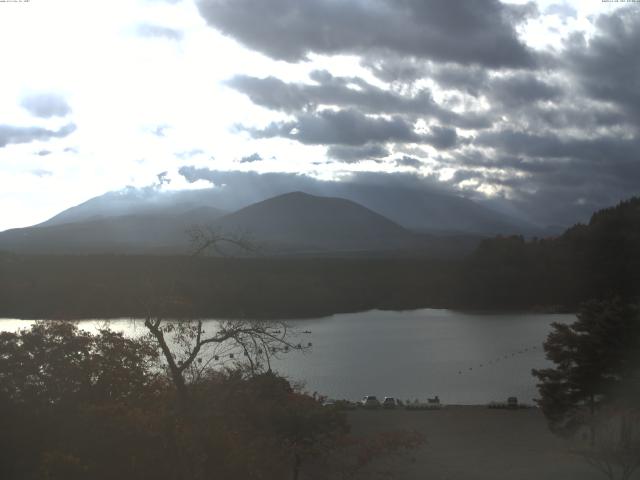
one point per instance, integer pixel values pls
(477, 443)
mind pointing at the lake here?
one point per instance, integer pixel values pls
(464, 358)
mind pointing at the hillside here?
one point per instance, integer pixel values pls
(151, 233)
(290, 224)
(301, 222)
(413, 207)
(594, 260)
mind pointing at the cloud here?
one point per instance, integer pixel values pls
(606, 66)
(157, 31)
(602, 148)
(43, 153)
(515, 90)
(46, 105)
(160, 130)
(251, 158)
(481, 32)
(563, 10)
(406, 161)
(275, 94)
(189, 153)
(344, 127)
(347, 92)
(11, 134)
(39, 172)
(163, 178)
(349, 154)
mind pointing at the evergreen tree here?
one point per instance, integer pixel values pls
(597, 359)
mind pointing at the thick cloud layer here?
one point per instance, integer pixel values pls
(481, 32)
(552, 133)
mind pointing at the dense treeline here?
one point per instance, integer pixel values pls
(113, 286)
(596, 260)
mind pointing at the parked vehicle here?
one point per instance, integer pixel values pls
(370, 401)
(389, 402)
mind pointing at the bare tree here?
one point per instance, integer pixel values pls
(189, 350)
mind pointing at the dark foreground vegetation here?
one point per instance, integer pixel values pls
(79, 406)
(597, 260)
(592, 392)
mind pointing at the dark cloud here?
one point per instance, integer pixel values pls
(468, 79)
(394, 69)
(344, 127)
(513, 91)
(275, 94)
(43, 153)
(603, 148)
(442, 138)
(11, 134)
(158, 31)
(554, 134)
(46, 105)
(406, 161)
(254, 157)
(479, 32)
(351, 92)
(606, 66)
(350, 154)
(352, 128)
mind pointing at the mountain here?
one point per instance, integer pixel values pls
(433, 211)
(412, 206)
(139, 233)
(299, 222)
(294, 223)
(133, 201)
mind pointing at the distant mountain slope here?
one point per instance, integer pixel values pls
(141, 233)
(301, 222)
(290, 224)
(433, 211)
(420, 209)
(133, 201)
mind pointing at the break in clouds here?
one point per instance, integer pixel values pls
(555, 132)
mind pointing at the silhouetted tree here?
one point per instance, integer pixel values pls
(596, 361)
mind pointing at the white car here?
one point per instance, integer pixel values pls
(370, 401)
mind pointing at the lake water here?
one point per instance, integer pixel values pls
(461, 357)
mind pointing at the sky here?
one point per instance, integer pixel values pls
(532, 108)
